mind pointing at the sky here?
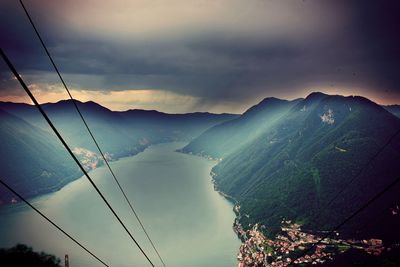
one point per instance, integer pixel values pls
(195, 55)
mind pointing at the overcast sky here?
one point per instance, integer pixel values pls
(219, 56)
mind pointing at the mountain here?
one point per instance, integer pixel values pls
(32, 156)
(296, 164)
(118, 133)
(394, 109)
(227, 137)
(43, 165)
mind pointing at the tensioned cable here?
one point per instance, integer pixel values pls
(379, 151)
(51, 222)
(374, 221)
(14, 71)
(359, 173)
(90, 132)
(369, 202)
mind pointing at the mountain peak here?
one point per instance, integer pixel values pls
(315, 96)
(93, 105)
(265, 103)
(64, 102)
(271, 98)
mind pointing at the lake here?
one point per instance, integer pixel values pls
(189, 222)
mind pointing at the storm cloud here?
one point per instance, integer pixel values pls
(216, 52)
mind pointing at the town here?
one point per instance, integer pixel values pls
(291, 246)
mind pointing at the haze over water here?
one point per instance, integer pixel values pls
(189, 222)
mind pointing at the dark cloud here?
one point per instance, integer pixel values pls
(347, 44)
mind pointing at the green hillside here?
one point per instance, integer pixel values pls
(299, 163)
(31, 156)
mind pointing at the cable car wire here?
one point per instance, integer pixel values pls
(27, 90)
(364, 206)
(90, 132)
(52, 223)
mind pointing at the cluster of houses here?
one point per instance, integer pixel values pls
(292, 242)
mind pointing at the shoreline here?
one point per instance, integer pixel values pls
(236, 226)
(168, 209)
(56, 188)
(256, 248)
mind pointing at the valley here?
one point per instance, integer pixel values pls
(292, 169)
(310, 162)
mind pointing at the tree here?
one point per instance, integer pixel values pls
(23, 256)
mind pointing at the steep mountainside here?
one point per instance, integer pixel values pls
(394, 109)
(227, 137)
(301, 161)
(31, 156)
(43, 164)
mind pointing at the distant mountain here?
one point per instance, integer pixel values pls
(394, 109)
(295, 164)
(119, 133)
(43, 165)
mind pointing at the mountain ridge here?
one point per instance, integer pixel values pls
(305, 157)
(241, 128)
(119, 134)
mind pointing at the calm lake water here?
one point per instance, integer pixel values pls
(189, 222)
